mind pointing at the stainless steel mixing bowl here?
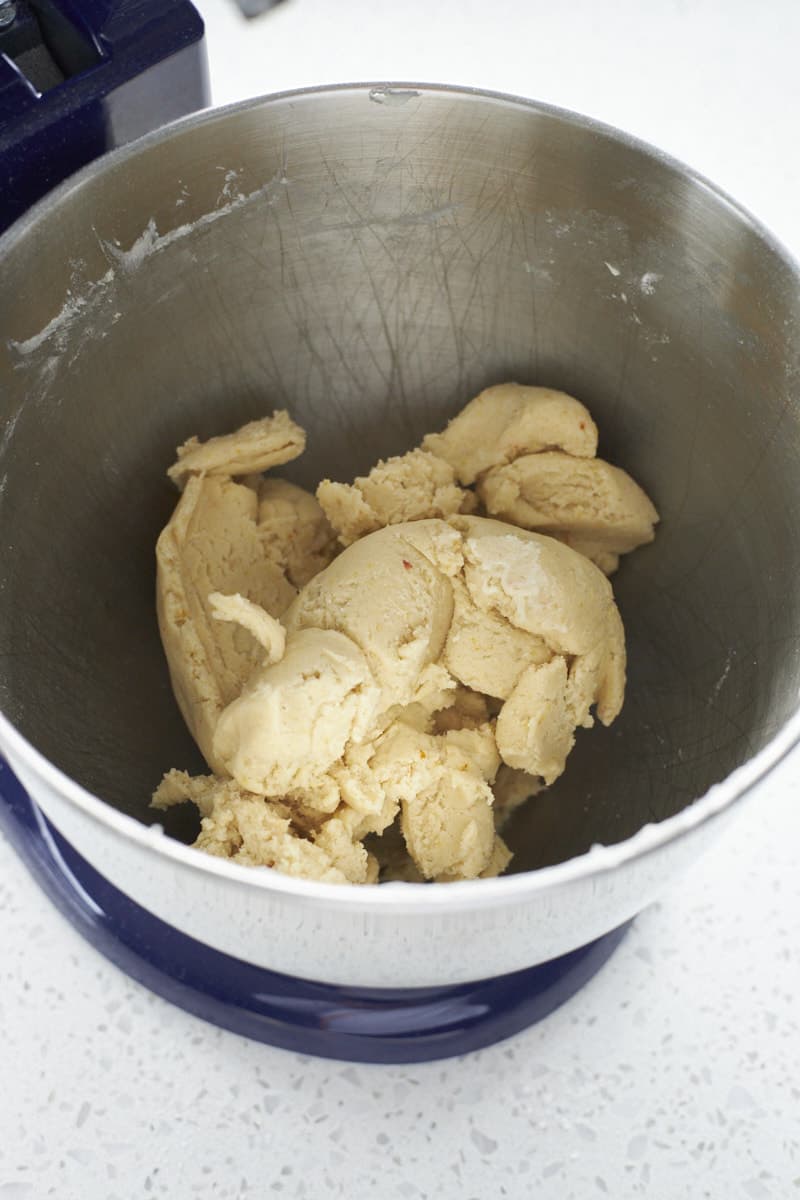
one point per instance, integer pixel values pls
(371, 257)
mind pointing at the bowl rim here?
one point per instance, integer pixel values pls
(404, 897)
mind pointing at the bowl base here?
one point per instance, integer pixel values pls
(383, 1025)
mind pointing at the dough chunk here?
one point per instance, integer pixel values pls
(595, 508)
(509, 420)
(255, 447)
(255, 831)
(295, 718)
(211, 545)
(484, 651)
(409, 487)
(390, 599)
(536, 728)
(446, 802)
(295, 532)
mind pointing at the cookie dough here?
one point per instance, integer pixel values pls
(593, 507)
(295, 532)
(212, 545)
(261, 539)
(510, 420)
(379, 710)
(366, 665)
(255, 831)
(408, 487)
(255, 447)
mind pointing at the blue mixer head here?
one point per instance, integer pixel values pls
(78, 77)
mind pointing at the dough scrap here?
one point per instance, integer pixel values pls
(509, 420)
(390, 599)
(445, 800)
(267, 630)
(255, 831)
(212, 545)
(295, 532)
(484, 651)
(407, 487)
(595, 508)
(294, 719)
(536, 584)
(255, 447)
(397, 866)
(535, 728)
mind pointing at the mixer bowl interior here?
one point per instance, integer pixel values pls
(370, 259)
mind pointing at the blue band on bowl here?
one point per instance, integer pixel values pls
(382, 1025)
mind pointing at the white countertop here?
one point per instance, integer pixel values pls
(676, 1072)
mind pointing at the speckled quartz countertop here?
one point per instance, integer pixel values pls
(676, 1072)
